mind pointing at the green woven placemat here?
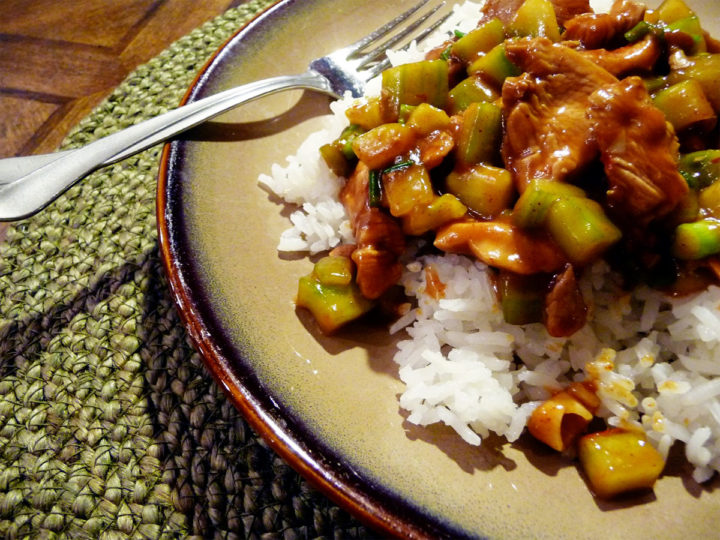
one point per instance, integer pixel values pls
(109, 424)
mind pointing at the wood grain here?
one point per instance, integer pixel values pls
(60, 59)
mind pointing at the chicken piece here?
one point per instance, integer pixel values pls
(638, 57)
(377, 270)
(565, 310)
(596, 30)
(713, 45)
(505, 9)
(379, 237)
(434, 147)
(639, 151)
(546, 127)
(501, 244)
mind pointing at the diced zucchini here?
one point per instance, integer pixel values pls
(581, 228)
(483, 188)
(334, 270)
(687, 209)
(471, 90)
(670, 11)
(336, 160)
(332, 305)
(380, 146)
(701, 168)
(697, 240)
(704, 68)
(494, 66)
(532, 207)
(404, 188)
(424, 218)
(690, 26)
(425, 119)
(655, 83)
(684, 104)
(339, 154)
(617, 461)
(478, 41)
(522, 298)
(480, 134)
(709, 200)
(413, 84)
(559, 421)
(535, 18)
(586, 393)
(345, 141)
(366, 113)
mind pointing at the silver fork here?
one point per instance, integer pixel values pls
(28, 184)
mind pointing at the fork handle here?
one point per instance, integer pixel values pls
(34, 189)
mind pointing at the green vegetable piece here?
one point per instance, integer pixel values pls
(366, 113)
(380, 146)
(494, 66)
(697, 240)
(480, 134)
(423, 218)
(479, 40)
(415, 83)
(701, 168)
(334, 270)
(483, 188)
(641, 29)
(445, 55)
(425, 118)
(691, 26)
(532, 207)
(339, 155)
(471, 90)
(405, 187)
(704, 68)
(522, 298)
(344, 142)
(581, 228)
(405, 112)
(672, 10)
(687, 209)
(399, 166)
(375, 191)
(332, 305)
(535, 18)
(617, 461)
(709, 200)
(336, 160)
(655, 83)
(684, 104)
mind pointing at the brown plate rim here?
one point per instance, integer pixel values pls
(282, 433)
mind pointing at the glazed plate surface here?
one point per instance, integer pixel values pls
(329, 406)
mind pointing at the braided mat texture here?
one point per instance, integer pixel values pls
(110, 426)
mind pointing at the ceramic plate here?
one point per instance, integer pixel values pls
(329, 405)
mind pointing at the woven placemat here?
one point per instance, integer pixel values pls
(110, 427)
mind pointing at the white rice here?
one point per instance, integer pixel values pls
(656, 359)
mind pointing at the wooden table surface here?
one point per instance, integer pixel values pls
(59, 59)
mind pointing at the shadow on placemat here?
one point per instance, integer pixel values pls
(109, 424)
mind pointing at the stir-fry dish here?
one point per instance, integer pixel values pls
(545, 139)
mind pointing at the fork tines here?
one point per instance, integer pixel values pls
(374, 60)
